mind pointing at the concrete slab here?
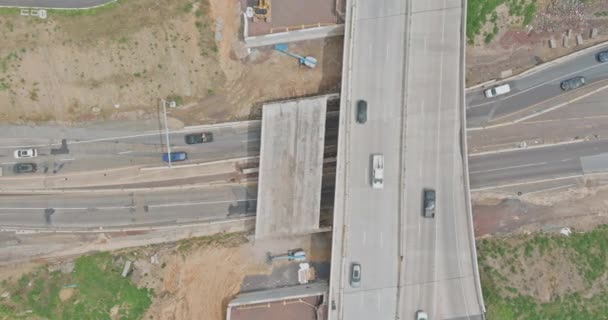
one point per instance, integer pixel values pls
(291, 167)
(595, 163)
(302, 302)
(278, 294)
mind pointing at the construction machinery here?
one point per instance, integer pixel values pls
(261, 11)
(310, 62)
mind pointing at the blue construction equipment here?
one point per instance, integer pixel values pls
(310, 62)
(292, 255)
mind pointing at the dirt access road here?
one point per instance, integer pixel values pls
(85, 66)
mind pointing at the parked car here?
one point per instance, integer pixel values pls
(421, 315)
(355, 275)
(196, 138)
(429, 203)
(377, 171)
(25, 168)
(498, 90)
(602, 56)
(175, 156)
(361, 111)
(572, 83)
(26, 153)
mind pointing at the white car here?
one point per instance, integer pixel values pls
(421, 315)
(26, 153)
(498, 90)
(377, 171)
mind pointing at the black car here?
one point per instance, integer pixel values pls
(572, 83)
(429, 203)
(602, 56)
(361, 111)
(25, 168)
(196, 138)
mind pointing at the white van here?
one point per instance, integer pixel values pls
(498, 90)
(377, 171)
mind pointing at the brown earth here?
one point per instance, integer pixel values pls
(580, 208)
(518, 48)
(74, 69)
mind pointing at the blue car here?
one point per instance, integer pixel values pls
(175, 156)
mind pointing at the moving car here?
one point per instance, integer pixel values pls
(429, 203)
(602, 56)
(572, 83)
(498, 90)
(355, 275)
(421, 315)
(361, 111)
(196, 138)
(377, 171)
(26, 153)
(175, 156)
(25, 168)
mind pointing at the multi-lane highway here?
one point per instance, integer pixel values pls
(534, 88)
(438, 274)
(537, 164)
(101, 148)
(405, 62)
(374, 61)
(92, 210)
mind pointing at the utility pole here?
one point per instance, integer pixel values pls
(164, 102)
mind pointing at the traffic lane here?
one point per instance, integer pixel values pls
(373, 244)
(536, 156)
(92, 210)
(531, 90)
(438, 270)
(532, 164)
(531, 172)
(574, 66)
(371, 215)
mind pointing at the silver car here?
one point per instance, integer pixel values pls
(355, 275)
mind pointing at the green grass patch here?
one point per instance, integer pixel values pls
(481, 11)
(586, 252)
(99, 288)
(601, 14)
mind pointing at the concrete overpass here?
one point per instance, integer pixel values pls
(405, 58)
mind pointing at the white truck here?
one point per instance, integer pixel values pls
(377, 171)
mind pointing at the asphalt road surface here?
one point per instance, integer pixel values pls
(438, 272)
(98, 147)
(53, 4)
(133, 209)
(408, 262)
(374, 71)
(532, 89)
(537, 164)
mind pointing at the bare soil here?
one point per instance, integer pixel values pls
(580, 208)
(74, 69)
(517, 48)
(196, 278)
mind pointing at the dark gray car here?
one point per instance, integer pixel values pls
(572, 83)
(361, 111)
(429, 203)
(25, 168)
